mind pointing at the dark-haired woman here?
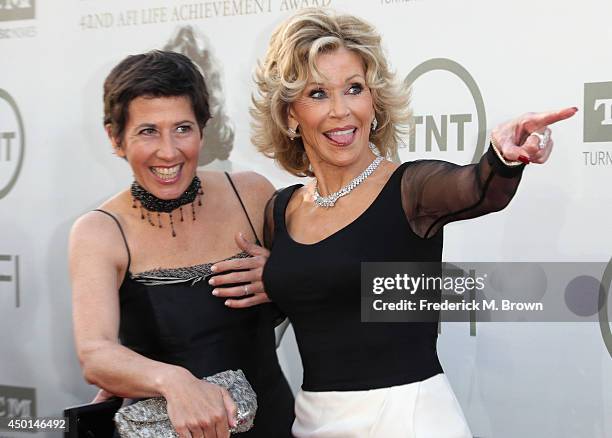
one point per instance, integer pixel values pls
(146, 320)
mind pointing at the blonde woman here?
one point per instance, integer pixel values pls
(328, 107)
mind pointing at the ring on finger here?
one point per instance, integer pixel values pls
(544, 138)
(246, 289)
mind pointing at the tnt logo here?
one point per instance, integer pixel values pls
(16, 402)
(6, 140)
(449, 120)
(12, 143)
(598, 112)
(438, 130)
(17, 10)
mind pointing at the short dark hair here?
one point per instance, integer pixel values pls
(156, 73)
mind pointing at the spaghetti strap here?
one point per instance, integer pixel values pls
(244, 208)
(122, 235)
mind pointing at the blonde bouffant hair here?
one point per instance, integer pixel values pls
(290, 61)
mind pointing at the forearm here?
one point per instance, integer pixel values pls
(126, 373)
(499, 180)
(195, 407)
(437, 192)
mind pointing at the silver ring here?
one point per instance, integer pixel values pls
(544, 138)
(246, 289)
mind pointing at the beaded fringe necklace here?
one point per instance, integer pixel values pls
(149, 203)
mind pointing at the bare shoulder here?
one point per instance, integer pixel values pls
(92, 222)
(247, 181)
(253, 186)
(97, 235)
(254, 180)
(101, 224)
(387, 169)
(302, 196)
(212, 177)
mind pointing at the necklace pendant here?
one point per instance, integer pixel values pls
(323, 201)
(330, 200)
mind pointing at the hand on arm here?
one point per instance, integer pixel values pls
(259, 190)
(248, 272)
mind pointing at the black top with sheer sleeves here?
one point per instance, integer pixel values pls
(435, 193)
(318, 285)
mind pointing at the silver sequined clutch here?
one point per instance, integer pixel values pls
(149, 418)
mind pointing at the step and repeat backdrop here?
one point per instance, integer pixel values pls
(472, 65)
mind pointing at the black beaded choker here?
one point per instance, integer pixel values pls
(152, 204)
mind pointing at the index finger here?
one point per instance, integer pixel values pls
(541, 120)
(250, 247)
(248, 301)
(230, 407)
(222, 426)
(235, 264)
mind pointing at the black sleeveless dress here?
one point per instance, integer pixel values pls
(318, 285)
(171, 316)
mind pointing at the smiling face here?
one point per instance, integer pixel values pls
(335, 115)
(161, 141)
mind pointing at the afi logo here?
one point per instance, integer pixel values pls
(598, 112)
(10, 263)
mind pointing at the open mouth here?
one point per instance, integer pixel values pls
(166, 173)
(341, 137)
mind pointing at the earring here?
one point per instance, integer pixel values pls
(292, 133)
(374, 124)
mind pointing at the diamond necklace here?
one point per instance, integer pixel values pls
(330, 200)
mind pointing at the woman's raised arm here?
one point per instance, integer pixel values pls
(435, 193)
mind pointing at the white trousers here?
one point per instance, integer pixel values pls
(427, 409)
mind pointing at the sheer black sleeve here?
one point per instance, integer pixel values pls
(435, 193)
(268, 231)
(268, 235)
